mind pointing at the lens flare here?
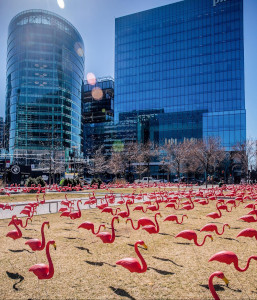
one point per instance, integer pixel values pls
(91, 79)
(79, 49)
(61, 3)
(97, 93)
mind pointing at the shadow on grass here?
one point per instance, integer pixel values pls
(121, 292)
(178, 243)
(219, 287)
(15, 276)
(162, 272)
(83, 249)
(167, 259)
(19, 251)
(99, 263)
(162, 233)
(230, 239)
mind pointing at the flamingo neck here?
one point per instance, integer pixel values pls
(113, 231)
(18, 229)
(218, 210)
(223, 229)
(144, 265)
(26, 224)
(43, 236)
(98, 229)
(196, 242)
(128, 212)
(157, 224)
(51, 266)
(247, 265)
(133, 224)
(181, 220)
(211, 287)
(79, 208)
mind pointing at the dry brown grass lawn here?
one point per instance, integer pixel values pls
(85, 267)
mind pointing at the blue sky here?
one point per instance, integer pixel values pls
(95, 20)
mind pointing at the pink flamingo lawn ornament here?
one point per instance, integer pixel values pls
(14, 234)
(229, 257)
(106, 237)
(132, 264)
(153, 228)
(43, 271)
(211, 287)
(143, 222)
(91, 226)
(214, 228)
(35, 244)
(191, 235)
(248, 232)
(175, 218)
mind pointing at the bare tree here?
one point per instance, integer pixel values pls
(244, 156)
(174, 156)
(116, 164)
(209, 153)
(97, 164)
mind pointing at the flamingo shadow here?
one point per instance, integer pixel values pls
(235, 228)
(167, 259)
(162, 233)
(162, 272)
(69, 223)
(230, 239)
(15, 276)
(121, 292)
(70, 238)
(217, 287)
(19, 251)
(132, 245)
(99, 263)
(30, 229)
(182, 243)
(83, 249)
(27, 238)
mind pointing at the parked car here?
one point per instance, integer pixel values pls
(147, 179)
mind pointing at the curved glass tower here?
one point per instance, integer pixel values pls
(45, 70)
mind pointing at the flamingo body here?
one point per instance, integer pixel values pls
(43, 271)
(132, 264)
(229, 257)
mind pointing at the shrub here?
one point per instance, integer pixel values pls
(40, 181)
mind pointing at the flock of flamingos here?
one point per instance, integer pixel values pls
(226, 198)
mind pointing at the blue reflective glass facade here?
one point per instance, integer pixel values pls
(45, 71)
(179, 69)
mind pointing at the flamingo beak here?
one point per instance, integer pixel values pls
(118, 220)
(228, 227)
(160, 215)
(54, 246)
(144, 245)
(225, 280)
(211, 238)
(48, 226)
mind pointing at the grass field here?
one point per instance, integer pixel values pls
(85, 267)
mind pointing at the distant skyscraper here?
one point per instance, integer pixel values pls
(1, 132)
(179, 71)
(45, 71)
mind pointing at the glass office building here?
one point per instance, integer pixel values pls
(179, 71)
(98, 119)
(45, 71)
